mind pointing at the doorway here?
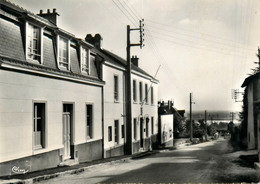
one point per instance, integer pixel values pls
(67, 130)
(141, 132)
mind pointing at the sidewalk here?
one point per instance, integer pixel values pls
(58, 171)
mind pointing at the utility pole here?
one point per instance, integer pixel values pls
(191, 127)
(232, 116)
(206, 136)
(129, 149)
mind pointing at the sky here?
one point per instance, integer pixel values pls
(202, 47)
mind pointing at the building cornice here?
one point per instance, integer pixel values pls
(24, 66)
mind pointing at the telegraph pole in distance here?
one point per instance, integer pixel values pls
(232, 116)
(129, 149)
(191, 127)
(206, 136)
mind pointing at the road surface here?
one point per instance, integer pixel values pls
(205, 163)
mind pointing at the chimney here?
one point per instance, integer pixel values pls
(134, 60)
(51, 16)
(96, 40)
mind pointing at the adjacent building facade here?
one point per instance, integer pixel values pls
(252, 110)
(63, 98)
(144, 103)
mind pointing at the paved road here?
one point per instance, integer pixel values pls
(205, 163)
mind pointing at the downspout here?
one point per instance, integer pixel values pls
(102, 105)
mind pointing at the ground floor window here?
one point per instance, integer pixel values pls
(135, 129)
(39, 125)
(152, 125)
(116, 131)
(122, 131)
(89, 119)
(110, 133)
(147, 127)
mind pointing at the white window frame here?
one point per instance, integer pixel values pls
(27, 31)
(141, 92)
(114, 88)
(110, 133)
(84, 57)
(152, 96)
(147, 127)
(135, 128)
(116, 131)
(152, 125)
(134, 91)
(91, 135)
(44, 139)
(58, 52)
(146, 95)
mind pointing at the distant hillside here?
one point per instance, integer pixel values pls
(213, 115)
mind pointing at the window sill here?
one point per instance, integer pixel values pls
(89, 138)
(116, 101)
(85, 73)
(63, 68)
(38, 150)
(34, 61)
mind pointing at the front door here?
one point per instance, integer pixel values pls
(66, 134)
(141, 133)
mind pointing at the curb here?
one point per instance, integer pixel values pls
(257, 166)
(55, 175)
(79, 170)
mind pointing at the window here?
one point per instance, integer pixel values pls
(147, 127)
(134, 91)
(116, 131)
(146, 93)
(89, 119)
(85, 60)
(39, 125)
(109, 133)
(152, 125)
(135, 129)
(63, 53)
(152, 95)
(33, 43)
(116, 98)
(141, 91)
(123, 131)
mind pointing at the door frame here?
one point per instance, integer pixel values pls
(141, 132)
(72, 126)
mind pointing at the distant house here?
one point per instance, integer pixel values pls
(170, 120)
(252, 110)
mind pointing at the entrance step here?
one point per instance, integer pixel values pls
(69, 162)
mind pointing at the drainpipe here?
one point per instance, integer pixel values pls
(102, 107)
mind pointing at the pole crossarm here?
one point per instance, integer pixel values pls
(135, 44)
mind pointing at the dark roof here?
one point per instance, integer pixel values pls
(249, 79)
(21, 10)
(117, 60)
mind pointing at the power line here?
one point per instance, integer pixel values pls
(181, 29)
(128, 12)
(123, 12)
(197, 47)
(196, 37)
(138, 18)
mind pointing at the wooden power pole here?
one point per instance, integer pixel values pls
(128, 146)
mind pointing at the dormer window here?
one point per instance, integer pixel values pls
(85, 60)
(63, 53)
(33, 43)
